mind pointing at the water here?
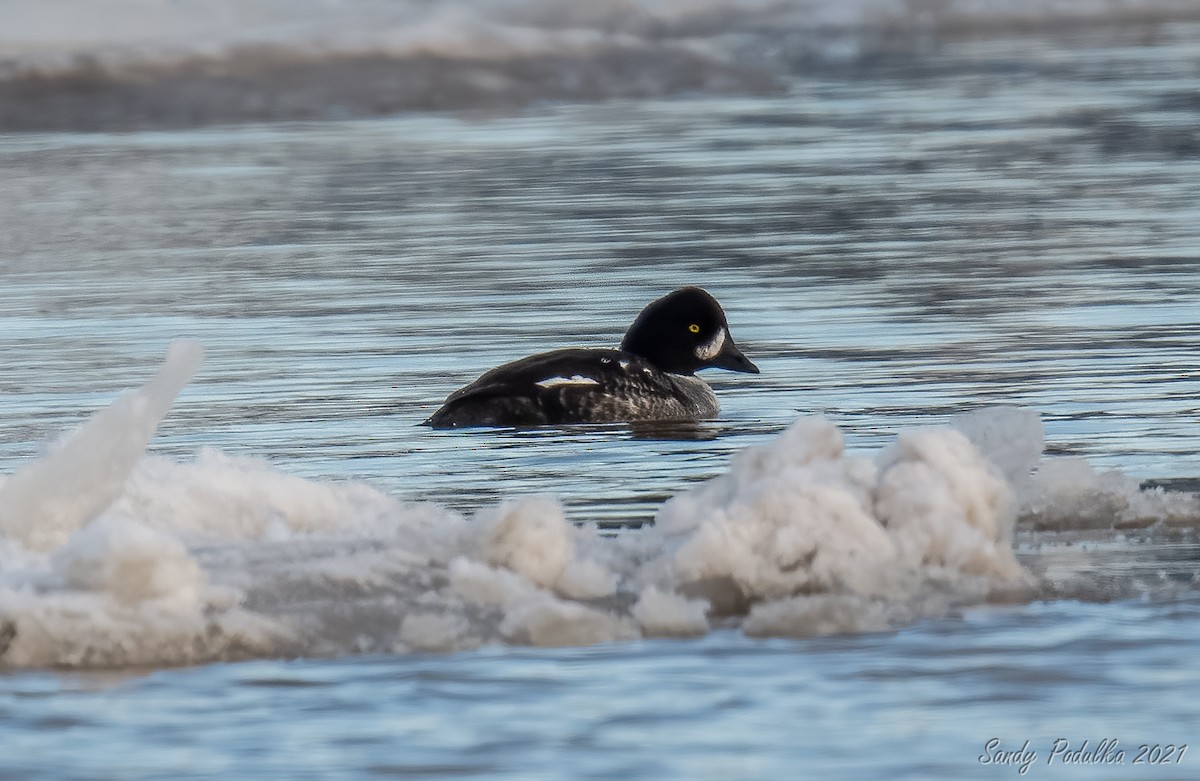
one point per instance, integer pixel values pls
(898, 236)
(917, 704)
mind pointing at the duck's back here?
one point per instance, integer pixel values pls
(575, 386)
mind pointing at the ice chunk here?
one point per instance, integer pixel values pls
(44, 503)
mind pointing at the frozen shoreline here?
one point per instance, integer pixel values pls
(135, 64)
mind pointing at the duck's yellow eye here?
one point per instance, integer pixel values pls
(694, 328)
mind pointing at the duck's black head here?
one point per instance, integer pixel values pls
(684, 331)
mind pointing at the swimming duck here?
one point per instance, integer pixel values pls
(650, 378)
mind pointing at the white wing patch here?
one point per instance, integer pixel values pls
(709, 350)
(575, 379)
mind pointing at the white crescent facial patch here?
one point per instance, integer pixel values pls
(709, 350)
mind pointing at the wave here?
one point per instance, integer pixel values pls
(120, 64)
(112, 558)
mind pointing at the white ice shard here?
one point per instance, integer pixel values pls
(44, 503)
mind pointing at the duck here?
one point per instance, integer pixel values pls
(650, 377)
